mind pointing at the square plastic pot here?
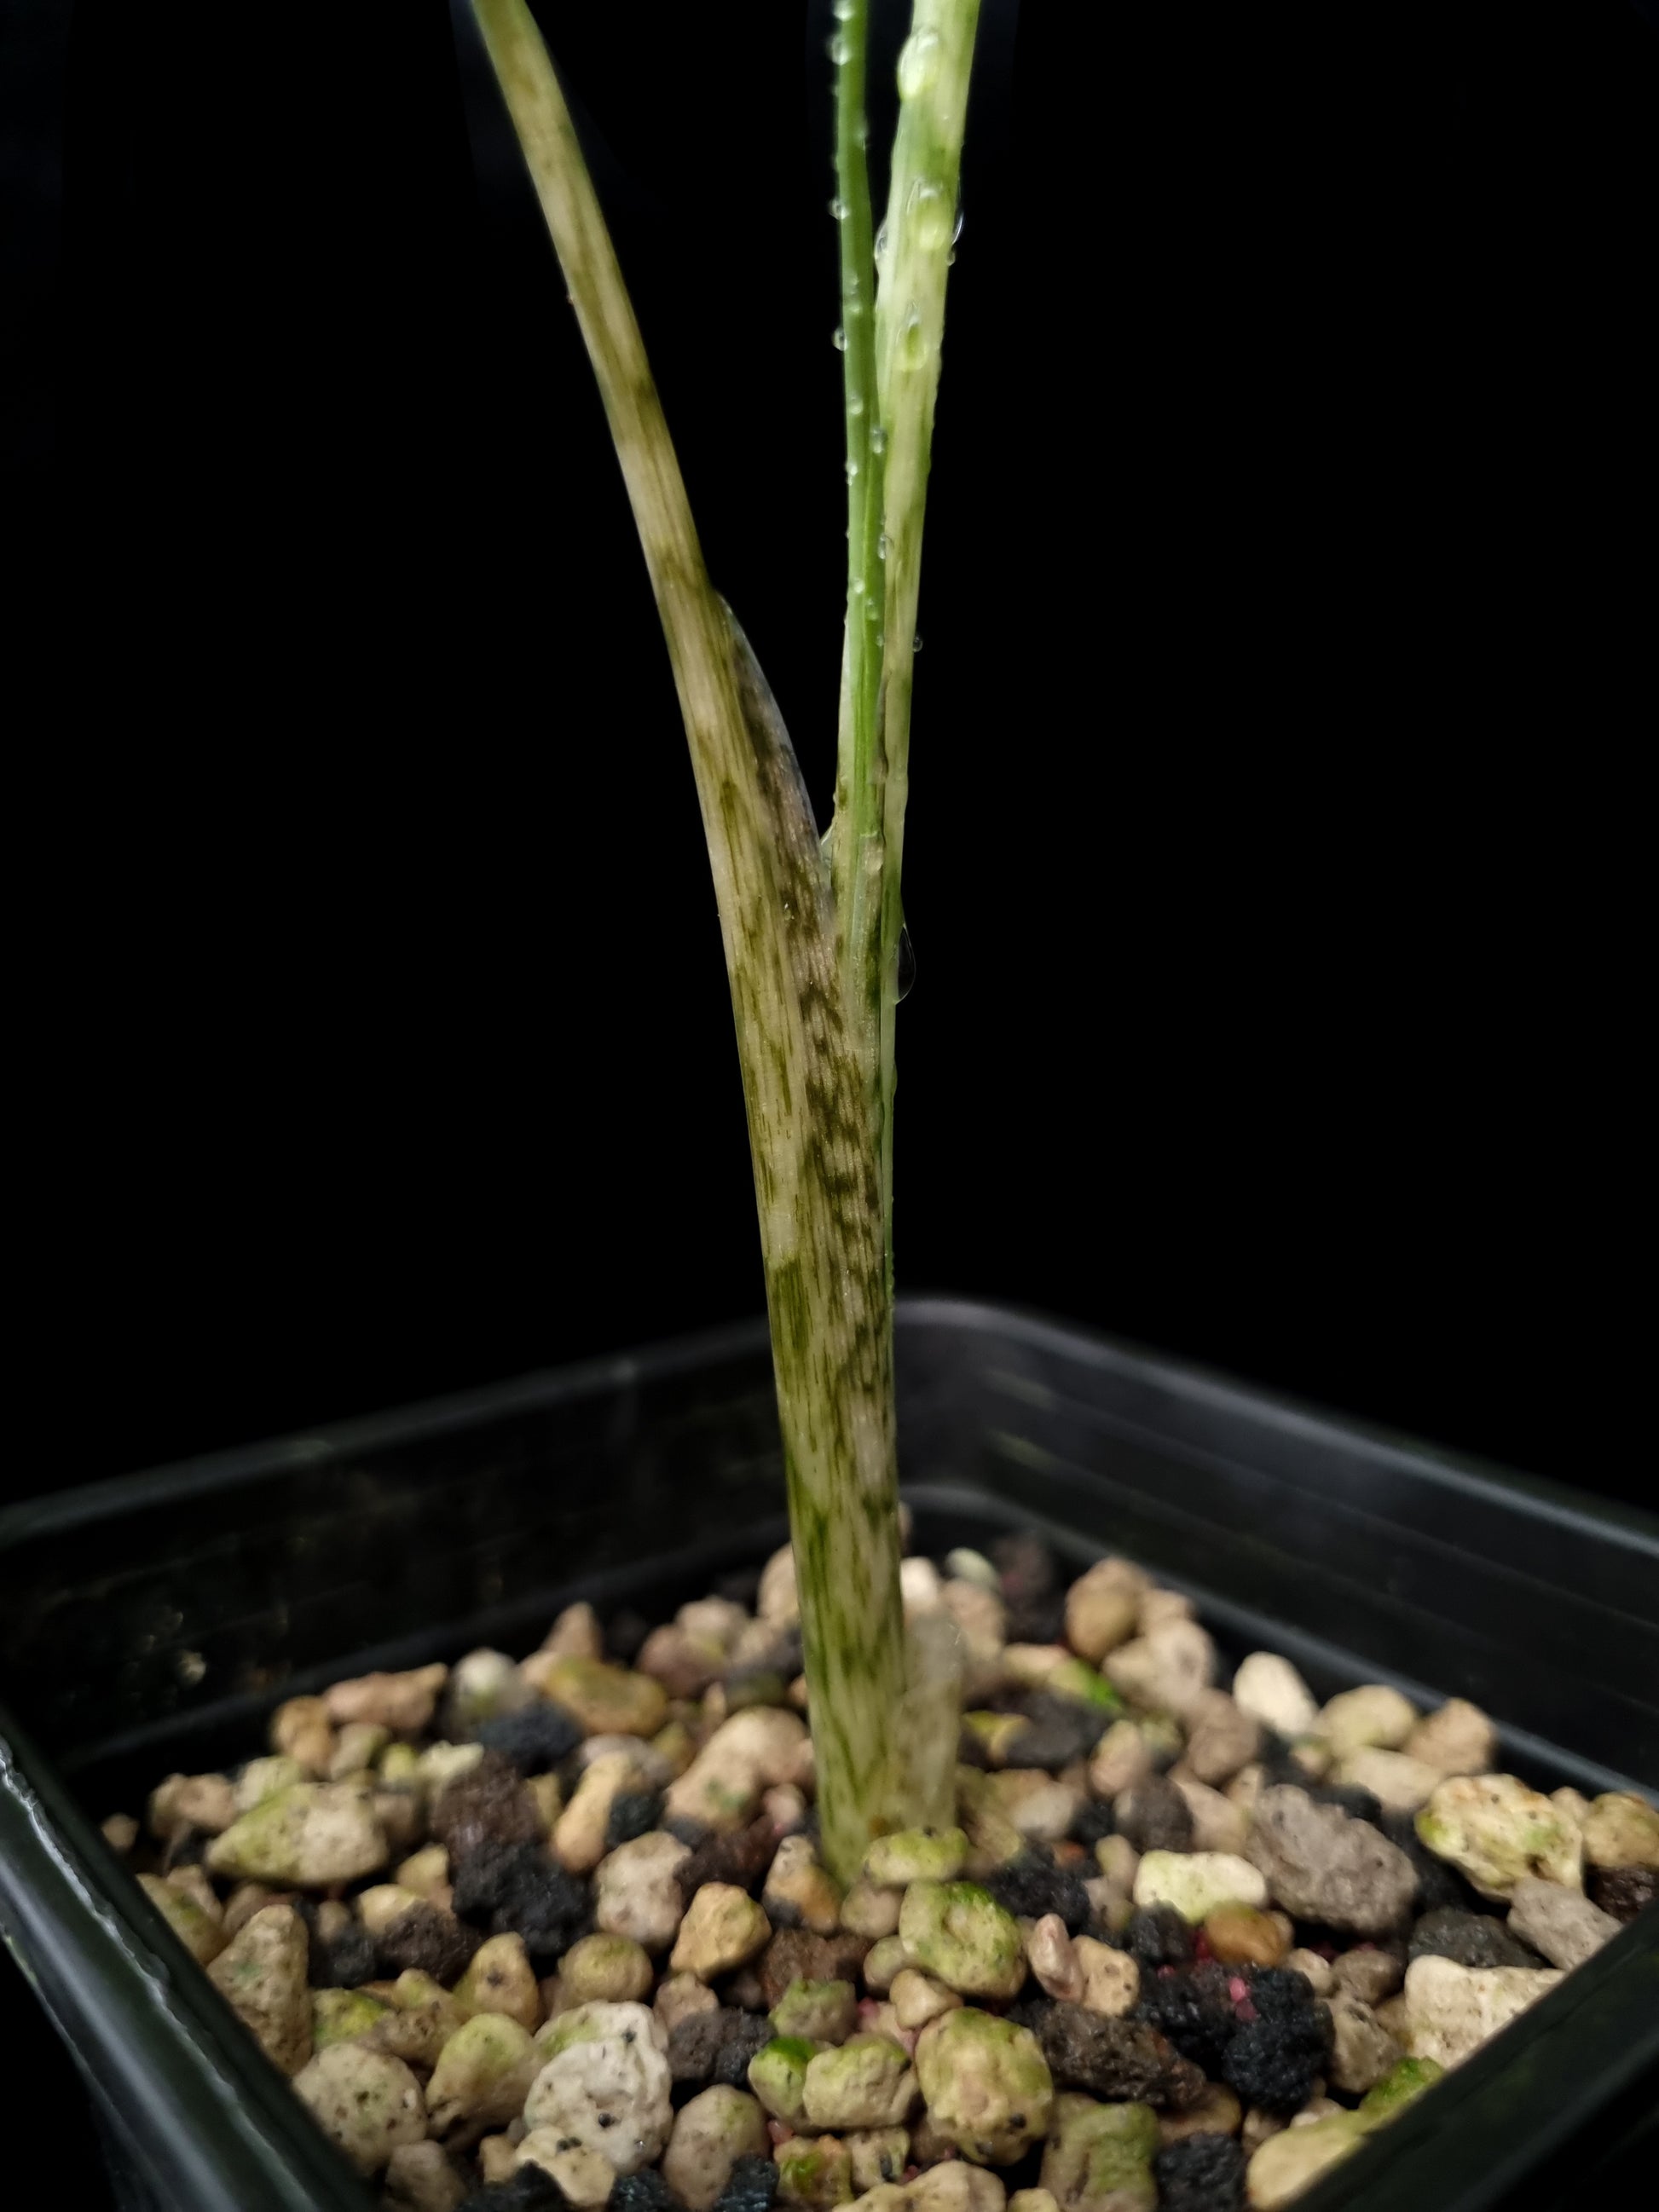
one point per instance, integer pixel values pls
(150, 1625)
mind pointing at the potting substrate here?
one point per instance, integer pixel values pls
(524, 1932)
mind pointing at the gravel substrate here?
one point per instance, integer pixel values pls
(550, 1932)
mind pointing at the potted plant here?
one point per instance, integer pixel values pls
(1108, 1936)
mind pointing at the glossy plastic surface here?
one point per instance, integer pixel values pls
(151, 1624)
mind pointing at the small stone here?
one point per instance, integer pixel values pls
(1243, 1936)
(1054, 1958)
(1270, 1689)
(482, 2075)
(1457, 1738)
(1221, 1737)
(879, 2155)
(500, 1979)
(1098, 2158)
(1219, 1824)
(1372, 1715)
(1471, 1939)
(487, 1803)
(1033, 2200)
(1566, 1928)
(386, 1901)
(1623, 1892)
(1196, 1882)
(576, 1633)
(711, 2134)
(755, 1750)
(1395, 1779)
(883, 1963)
(1153, 1815)
(419, 2178)
(422, 2019)
(871, 1912)
(403, 1703)
(1368, 1973)
(1361, 2050)
(607, 1700)
(533, 1737)
(301, 1729)
(184, 1802)
(895, 1861)
(960, 1935)
(1321, 1865)
(201, 1932)
(814, 2172)
(1291, 2160)
(1495, 1830)
(1111, 1978)
(1164, 1672)
(365, 2101)
(1160, 1607)
(777, 1600)
(604, 1970)
(1451, 2010)
(263, 1973)
(1217, 2112)
(425, 1873)
(341, 2015)
(423, 1939)
(606, 2082)
(359, 1746)
(1115, 2059)
(985, 2082)
(635, 1891)
(777, 2076)
(723, 1929)
(1120, 1761)
(917, 1998)
(581, 1832)
(820, 2011)
(431, 1770)
(681, 1996)
(575, 2173)
(866, 2083)
(796, 1954)
(798, 1892)
(483, 1686)
(1101, 1608)
(1040, 1808)
(1314, 1971)
(1621, 1830)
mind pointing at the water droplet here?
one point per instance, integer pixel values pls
(877, 439)
(914, 344)
(882, 243)
(838, 209)
(856, 406)
(930, 211)
(844, 10)
(907, 965)
(915, 643)
(918, 64)
(857, 587)
(838, 340)
(881, 546)
(852, 470)
(839, 50)
(956, 233)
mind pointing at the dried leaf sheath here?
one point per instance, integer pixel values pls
(811, 1138)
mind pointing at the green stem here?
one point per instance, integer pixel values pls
(860, 776)
(933, 75)
(810, 1135)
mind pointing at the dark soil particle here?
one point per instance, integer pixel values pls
(634, 1813)
(1359, 1804)
(1031, 1885)
(1439, 1886)
(488, 1804)
(1272, 2062)
(1159, 1938)
(515, 1889)
(795, 1955)
(1094, 1820)
(1155, 1816)
(1624, 1891)
(717, 2046)
(532, 2189)
(427, 1941)
(1116, 2060)
(646, 2191)
(742, 1859)
(1057, 1730)
(753, 2186)
(1472, 1939)
(1196, 2009)
(534, 1740)
(1202, 2173)
(346, 1963)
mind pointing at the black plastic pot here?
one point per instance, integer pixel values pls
(150, 1623)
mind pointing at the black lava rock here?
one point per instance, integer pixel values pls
(1032, 1885)
(346, 1962)
(1196, 2009)
(742, 1859)
(1094, 1820)
(1272, 2062)
(1360, 1803)
(534, 1740)
(1113, 2059)
(753, 2186)
(1439, 1886)
(1200, 2173)
(532, 2189)
(486, 1804)
(1281, 1992)
(1624, 1891)
(515, 1889)
(1159, 1938)
(1057, 1731)
(717, 2046)
(646, 2191)
(1154, 1816)
(429, 1941)
(1472, 1939)
(632, 1813)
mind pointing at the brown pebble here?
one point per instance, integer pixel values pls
(795, 1955)
(488, 1804)
(1217, 2112)
(742, 1859)
(1239, 1935)
(428, 1942)
(1624, 1891)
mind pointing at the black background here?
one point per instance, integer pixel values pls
(1278, 727)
